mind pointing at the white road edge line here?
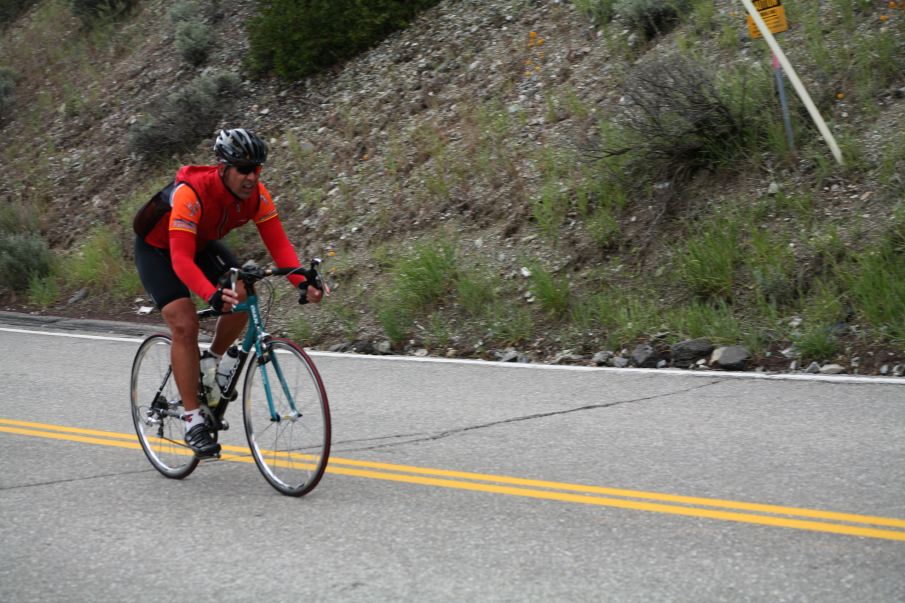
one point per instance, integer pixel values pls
(554, 367)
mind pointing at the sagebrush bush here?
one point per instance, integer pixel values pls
(652, 17)
(188, 10)
(22, 257)
(294, 39)
(681, 117)
(91, 10)
(186, 117)
(17, 217)
(7, 90)
(193, 40)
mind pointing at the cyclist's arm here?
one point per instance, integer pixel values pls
(182, 253)
(184, 221)
(274, 236)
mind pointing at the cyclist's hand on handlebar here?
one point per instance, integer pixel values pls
(223, 300)
(309, 293)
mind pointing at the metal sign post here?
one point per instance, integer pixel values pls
(764, 30)
(780, 86)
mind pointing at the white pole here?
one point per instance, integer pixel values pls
(796, 83)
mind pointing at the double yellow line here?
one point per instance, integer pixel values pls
(815, 520)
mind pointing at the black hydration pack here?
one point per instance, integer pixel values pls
(151, 212)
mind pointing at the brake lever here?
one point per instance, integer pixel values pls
(321, 283)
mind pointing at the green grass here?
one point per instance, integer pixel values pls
(475, 291)
(823, 315)
(507, 323)
(619, 315)
(43, 291)
(715, 321)
(708, 264)
(892, 165)
(301, 330)
(426, 273)
(550, 291)
(99, 264)
(771, 265)
(347, 316)
(419, 279)
(437, 332)
(875, 281)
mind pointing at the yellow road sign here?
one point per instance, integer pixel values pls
(774, 15)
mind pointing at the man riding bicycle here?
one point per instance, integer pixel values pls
(178, 249)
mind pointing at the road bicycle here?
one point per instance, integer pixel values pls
(284, 403)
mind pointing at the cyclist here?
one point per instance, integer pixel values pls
(178, 249)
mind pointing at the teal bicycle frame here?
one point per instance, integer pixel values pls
(258, 339)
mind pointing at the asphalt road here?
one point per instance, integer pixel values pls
(460, 481)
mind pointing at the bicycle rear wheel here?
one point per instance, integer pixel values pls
(290, 445)
(157, 409)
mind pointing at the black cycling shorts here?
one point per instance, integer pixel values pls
(155, 269)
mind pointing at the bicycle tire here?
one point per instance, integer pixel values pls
(157, 409)
(292, 451)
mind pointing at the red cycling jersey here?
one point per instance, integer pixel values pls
(203, 209)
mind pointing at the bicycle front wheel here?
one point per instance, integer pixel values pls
(287, 418)
(157, 409)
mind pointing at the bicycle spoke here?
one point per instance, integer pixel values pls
(163, 439)
(297, 398)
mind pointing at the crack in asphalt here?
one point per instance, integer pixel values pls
(211, 462)
(70, 480)
(420, 437)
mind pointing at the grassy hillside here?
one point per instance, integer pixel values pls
(546, 176)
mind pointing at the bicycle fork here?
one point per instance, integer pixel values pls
(270, 358)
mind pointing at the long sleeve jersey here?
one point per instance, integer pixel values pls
(203, 209)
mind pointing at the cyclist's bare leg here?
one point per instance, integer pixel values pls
(181, 317)
(229, 326)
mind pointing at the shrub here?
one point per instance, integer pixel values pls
(10, 9)
(652, 17)
(193, 40)
(681, 117)
(22, 257)
(189, 10)
(294, 38)
(7, 89)
(18, 217)
(185, 118)
(90, 11)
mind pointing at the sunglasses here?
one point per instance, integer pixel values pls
(245, 170)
